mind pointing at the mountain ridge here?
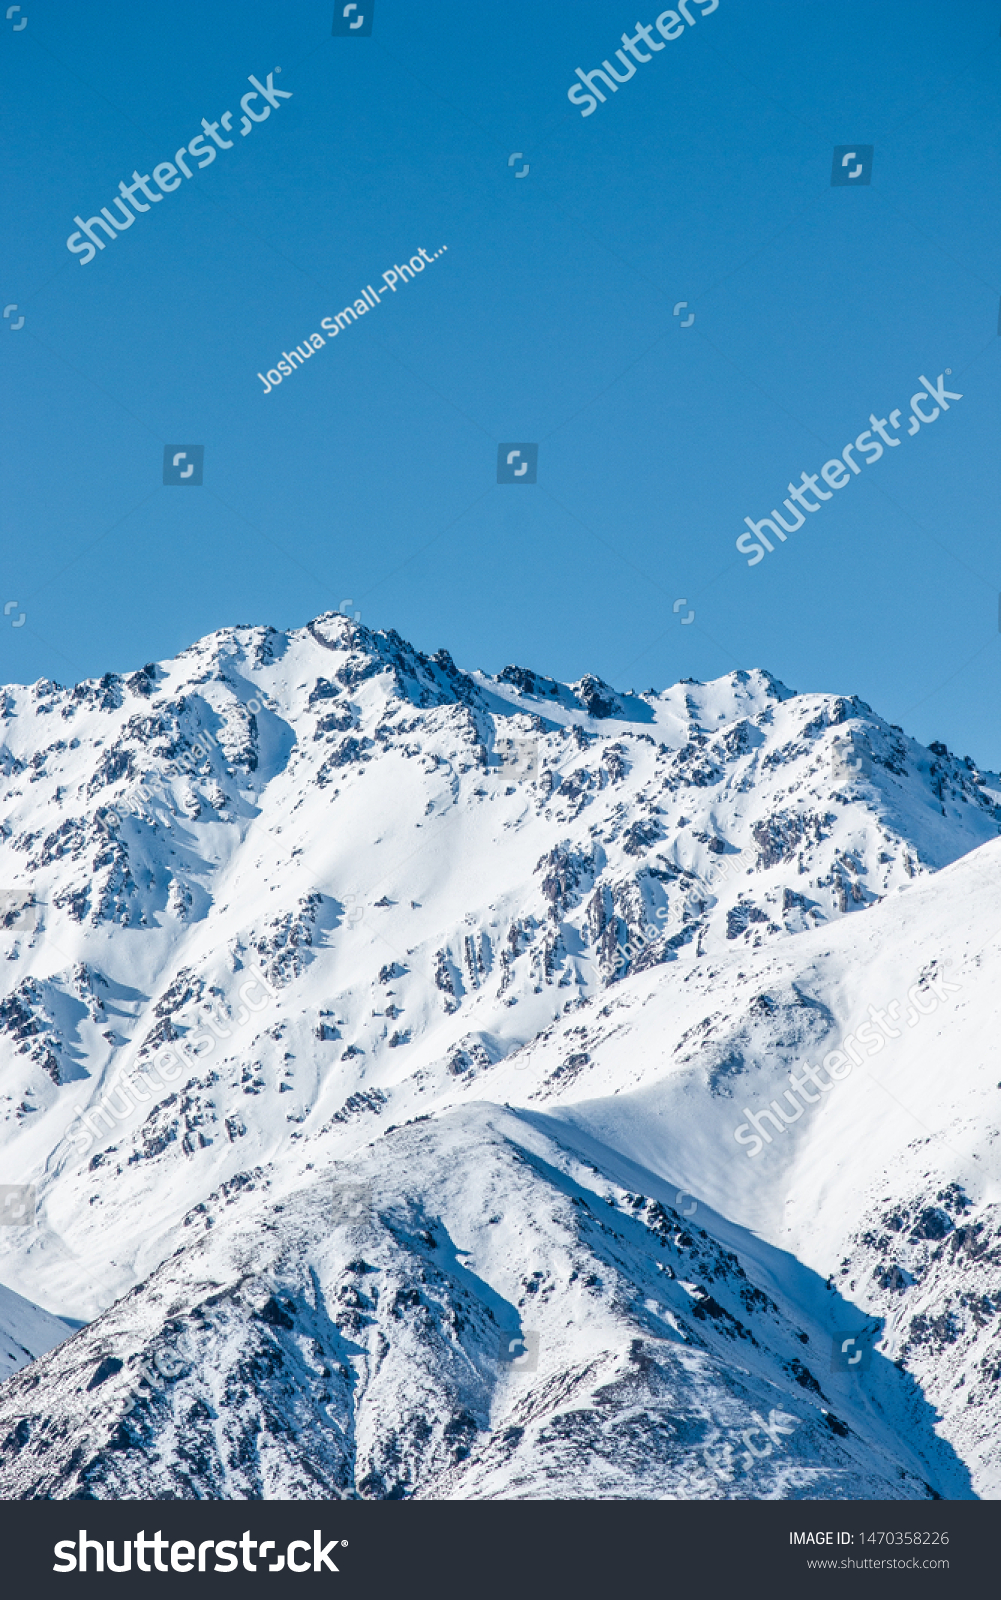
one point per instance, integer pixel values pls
(276, 896)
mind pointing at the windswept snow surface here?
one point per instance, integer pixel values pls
(26, 1332)
(386, 1042)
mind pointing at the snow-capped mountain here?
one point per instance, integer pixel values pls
(26, 1332)
(389, 1052)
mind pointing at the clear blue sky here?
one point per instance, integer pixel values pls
(370, 474)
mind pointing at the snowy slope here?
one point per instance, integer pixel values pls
(26, 1332)
(887, 1186)
(315, 885)
(306, 1353)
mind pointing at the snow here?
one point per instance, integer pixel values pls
(26, 1332)
(392, 897)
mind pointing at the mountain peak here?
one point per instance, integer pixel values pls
(267, 900)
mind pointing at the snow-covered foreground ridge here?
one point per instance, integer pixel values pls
(450, 1085)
